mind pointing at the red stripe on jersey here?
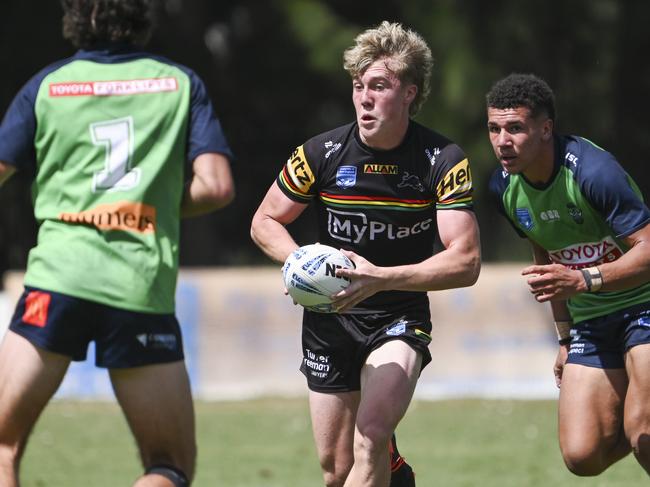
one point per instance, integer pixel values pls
(373, 198)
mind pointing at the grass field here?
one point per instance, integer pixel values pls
(267, 443)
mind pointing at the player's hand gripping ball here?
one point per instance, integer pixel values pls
(310, 276)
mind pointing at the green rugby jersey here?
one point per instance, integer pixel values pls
(107, 134)
(580, 217)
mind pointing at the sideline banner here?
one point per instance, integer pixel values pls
(242, 338)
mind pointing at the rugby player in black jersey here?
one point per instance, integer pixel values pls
(385, 187)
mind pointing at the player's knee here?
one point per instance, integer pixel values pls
(583, 463)
(175, 475)
(372, 439)
(335, 469)
(333, 479)
(10, 454)
(637, 429)
(640, 442)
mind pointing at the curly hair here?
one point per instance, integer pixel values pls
(88, 23)
(410, 55)
(523, 90)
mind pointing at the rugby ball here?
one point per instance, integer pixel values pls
(310, 276)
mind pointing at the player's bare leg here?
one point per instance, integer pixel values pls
(591, 418)
(29, 376)
(332, 417)
(637, 412)
(157, 403)
(388, 381)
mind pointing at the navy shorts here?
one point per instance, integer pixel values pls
(66, 325)
(335, 346)
(602, 342)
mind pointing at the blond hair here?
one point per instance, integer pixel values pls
(409, 55)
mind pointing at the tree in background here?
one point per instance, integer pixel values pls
(270, 66)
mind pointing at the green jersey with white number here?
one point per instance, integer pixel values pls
(109, 132)
(581, 217)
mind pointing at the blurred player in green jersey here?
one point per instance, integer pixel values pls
(109, 135)
(588, 227)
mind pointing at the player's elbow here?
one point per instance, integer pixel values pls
(471, 269)
(256, 228)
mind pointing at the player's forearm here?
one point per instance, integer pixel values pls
(201, 197)
(451, 268)
(211, 187)
(631, 270)
(560, 311)
(272, 237)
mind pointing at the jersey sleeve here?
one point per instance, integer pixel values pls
(498, 184)
(297, 180)
(205, 132)
(19, 127)
(452, 181)
(613, 193)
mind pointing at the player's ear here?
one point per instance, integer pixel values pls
(547, 130)
(411, 91)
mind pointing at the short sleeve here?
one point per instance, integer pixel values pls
(205, 132)
(453, 180)
(613, 193)
(498, 184)
(19, 127)
(297, 178)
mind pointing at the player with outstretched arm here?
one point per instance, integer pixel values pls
(590, 234)
(108, 134)
(384, 188)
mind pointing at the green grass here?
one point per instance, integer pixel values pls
(268, 443)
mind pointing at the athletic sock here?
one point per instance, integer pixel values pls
(402, 474)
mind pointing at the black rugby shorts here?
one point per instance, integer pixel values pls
(335, 346)
(66, 325)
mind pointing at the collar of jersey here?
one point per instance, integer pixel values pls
(109, 52)
(558, 158)
(404, 142)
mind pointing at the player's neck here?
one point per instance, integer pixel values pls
(542, 169)
(387, 139)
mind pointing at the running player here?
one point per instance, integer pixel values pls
(107, 134)
(588, 227)
(384, 187)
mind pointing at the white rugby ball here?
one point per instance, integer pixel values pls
(310, 276)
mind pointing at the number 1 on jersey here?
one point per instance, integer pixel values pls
(116, 136)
